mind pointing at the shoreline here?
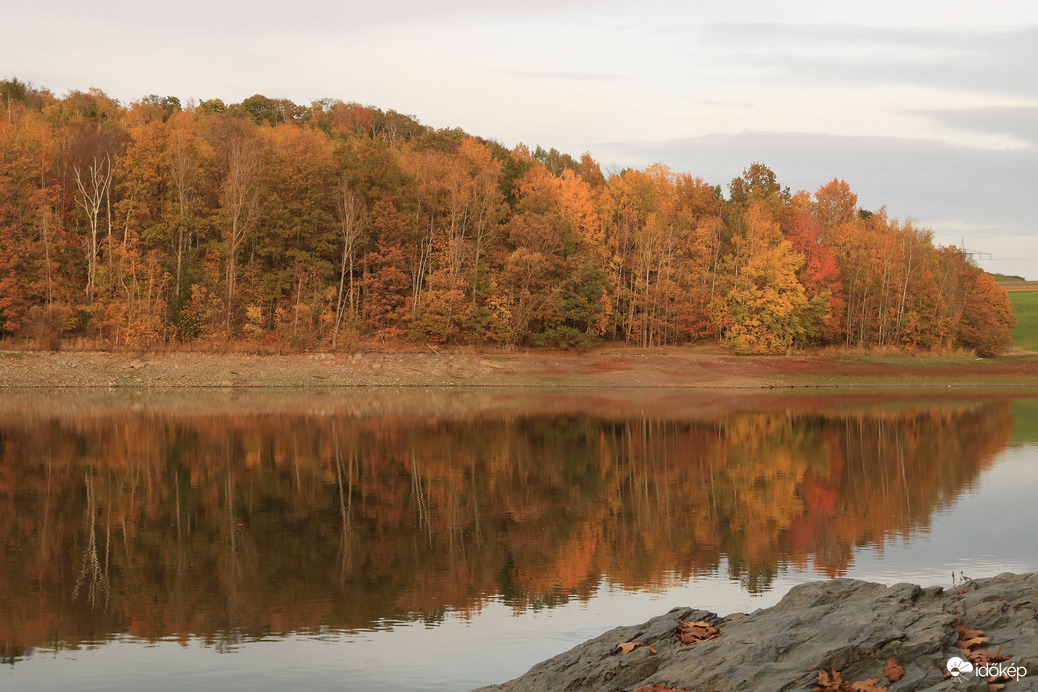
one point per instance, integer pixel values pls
(678, 368)
(472, 403)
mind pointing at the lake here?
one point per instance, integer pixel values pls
(445, 539)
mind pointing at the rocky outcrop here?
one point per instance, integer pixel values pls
(850, 626)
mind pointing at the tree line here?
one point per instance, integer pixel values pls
(336, 224)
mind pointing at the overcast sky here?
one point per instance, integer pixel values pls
(929, 108)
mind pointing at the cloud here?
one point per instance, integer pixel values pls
(1019, 122)
(983, 196)
(304, 16)
(989, 61)
(575, 76)
(923, 179)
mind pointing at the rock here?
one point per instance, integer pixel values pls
(137, 365)
(846, 625)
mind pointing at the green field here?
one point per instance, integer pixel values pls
(1025, 411)
(1025, 307)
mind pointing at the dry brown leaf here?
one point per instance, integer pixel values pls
(969, 633)
(694, 632)
(737, 616)
(972, 643)
(824, 679)
(628, 647)
(625, 648)
(893, 671)
(835, 682)
(831, 683)
(983, 657)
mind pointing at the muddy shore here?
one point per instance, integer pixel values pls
(698, 367)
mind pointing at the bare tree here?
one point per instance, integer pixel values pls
(350, 212)
(181, 168)
(240, 199)
(94, 187)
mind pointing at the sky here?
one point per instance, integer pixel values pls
(929, 108)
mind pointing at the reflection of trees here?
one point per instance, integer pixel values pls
(230, 526)
(231, 569)
(93, 572)
(347, 543)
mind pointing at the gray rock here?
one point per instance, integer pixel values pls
(846, 625)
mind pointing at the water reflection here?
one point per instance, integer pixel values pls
(236, 522)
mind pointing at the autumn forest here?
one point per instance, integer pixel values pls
(332, 225)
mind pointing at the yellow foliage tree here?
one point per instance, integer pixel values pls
(767, 306)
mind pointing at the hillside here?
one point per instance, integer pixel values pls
(335, 225)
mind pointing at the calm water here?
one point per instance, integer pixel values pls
(432, 540)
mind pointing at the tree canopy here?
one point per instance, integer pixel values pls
(329, 224)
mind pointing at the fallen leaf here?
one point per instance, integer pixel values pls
(968, 633)
(835, 682)
(694, 632)
(893, 671)
(628, 647)
(831, 683)
(737, 616)
(972, 643)
(983, 657)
